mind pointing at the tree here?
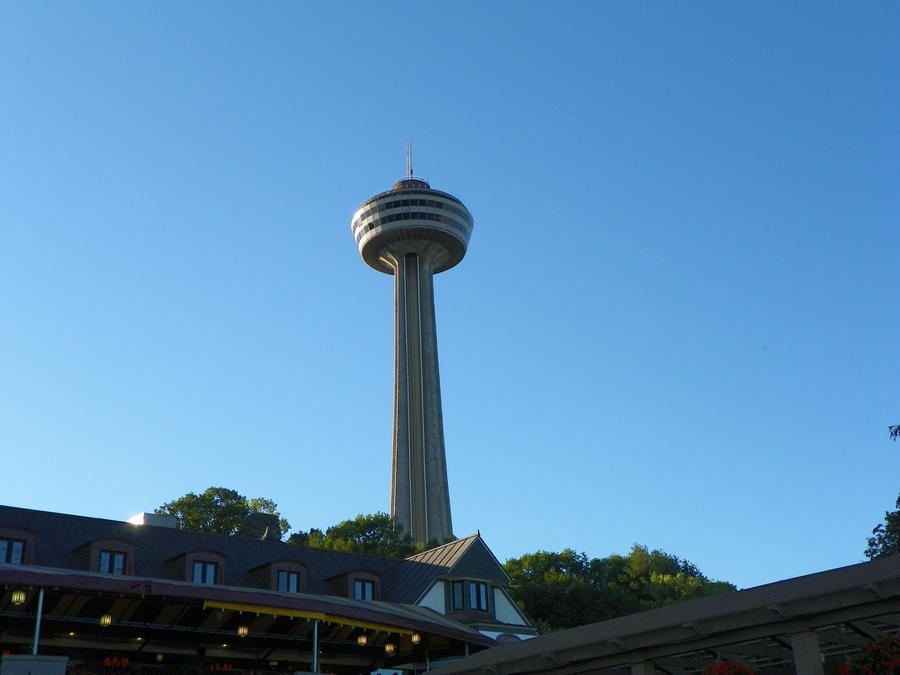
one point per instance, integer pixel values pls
(218, 510)
(376, 533)
(555, 589)
(885, 539)
(566, 589)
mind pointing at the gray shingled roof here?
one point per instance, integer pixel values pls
(58, 535)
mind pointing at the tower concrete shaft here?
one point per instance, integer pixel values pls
(414, 232)
(420, 496)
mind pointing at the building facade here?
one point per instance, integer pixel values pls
(154, 596)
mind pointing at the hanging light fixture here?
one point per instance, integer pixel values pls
(362, 640)
(106, 620)
(18, 597)
(243, 631)
(416, 638)
(389, 647)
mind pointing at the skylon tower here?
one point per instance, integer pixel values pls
(414, 232)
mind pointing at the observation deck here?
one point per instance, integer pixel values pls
(412, 218)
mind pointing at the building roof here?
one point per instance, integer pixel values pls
(155, 605)
(467, 557)
(401, 581)
(337, 609)
(845, 608)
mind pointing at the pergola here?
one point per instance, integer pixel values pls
(132, 624)
(807, 625)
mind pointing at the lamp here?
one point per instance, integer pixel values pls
(389, 647)
(18, 597)
(362, 640)
(416, 638)
(106, 620)
(243, 631)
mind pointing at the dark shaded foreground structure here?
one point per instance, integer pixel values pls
(175, 627)
(808, 625)
(105, 597)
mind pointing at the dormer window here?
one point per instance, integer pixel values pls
(459, 596)
(201, 566)
(205, 572)
(360, 584)
(284, 576)
(17, 545)
(470, 595)
(363, 589)
(288, 581)
(12, 551)
(112, 562)
(478, 596)
(109, 556)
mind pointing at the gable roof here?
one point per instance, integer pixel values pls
(447, 554)
(469, 557)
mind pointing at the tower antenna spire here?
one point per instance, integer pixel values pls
(409, 172)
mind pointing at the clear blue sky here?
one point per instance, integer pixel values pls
(676, 324)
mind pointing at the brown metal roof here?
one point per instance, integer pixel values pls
(446, 555)
(469, 557)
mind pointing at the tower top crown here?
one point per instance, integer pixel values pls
(410, 181)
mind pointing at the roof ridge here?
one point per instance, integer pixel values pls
(455, 542)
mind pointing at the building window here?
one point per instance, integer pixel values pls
(12, 551)
(112, 562)
(363, 590)
(204, 572)
(457, 591)
(288, 582)
(478, 596)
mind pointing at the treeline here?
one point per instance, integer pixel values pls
(568, 589)
(222, 511)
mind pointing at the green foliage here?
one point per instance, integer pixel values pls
(881, 657)
(376, 533)
(885, 539)
(566, 589)
(555, 589)
(217, 510)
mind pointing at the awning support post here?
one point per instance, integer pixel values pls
(37, 623)
(807, 657)
(315, 661)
